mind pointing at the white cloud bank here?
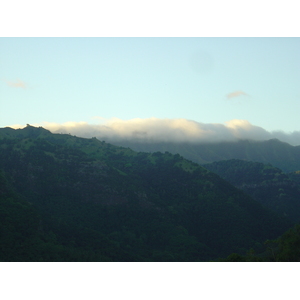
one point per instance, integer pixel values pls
(169, 130)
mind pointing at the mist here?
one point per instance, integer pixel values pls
(170, 130)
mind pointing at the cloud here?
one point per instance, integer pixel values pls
(17, 84)
(236, 94)
(169, 130)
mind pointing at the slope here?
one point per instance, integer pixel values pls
(279, 154)
(104, 202)
(264, 183)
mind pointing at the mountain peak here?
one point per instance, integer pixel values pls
(26, 132)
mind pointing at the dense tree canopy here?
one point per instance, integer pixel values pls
(65, 198)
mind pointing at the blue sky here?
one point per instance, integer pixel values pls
(207, 80)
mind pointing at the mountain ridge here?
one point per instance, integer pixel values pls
(111, 203)
(279, 154)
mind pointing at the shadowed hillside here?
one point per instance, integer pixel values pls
(268, 185)
(99, 202)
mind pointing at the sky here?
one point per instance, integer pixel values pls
(232, 83)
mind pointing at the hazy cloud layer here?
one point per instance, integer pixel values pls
(170, 130)
(236, 94)
(16, 84)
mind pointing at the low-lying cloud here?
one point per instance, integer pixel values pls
(170, 130)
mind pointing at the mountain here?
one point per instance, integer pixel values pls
(93, 201)
(18, 223)
(279, 154)
(266, 184)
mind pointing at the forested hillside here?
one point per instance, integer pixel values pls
(286, 248)
(279, 154)
(65, 198)
(268, 185)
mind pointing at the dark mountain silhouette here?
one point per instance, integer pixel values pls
(86, 200)
(268, 185)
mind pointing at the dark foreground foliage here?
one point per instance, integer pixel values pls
(64, 198)
(284, 249)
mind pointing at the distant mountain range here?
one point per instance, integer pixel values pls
(279, 154)
(64, 198)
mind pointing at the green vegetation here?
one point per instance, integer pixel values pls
(268, 185)
(286, 248)
(65, 198)
(279, 154)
